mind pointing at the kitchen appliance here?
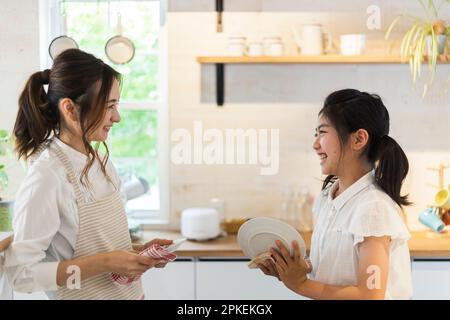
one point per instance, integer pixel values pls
(200, 223)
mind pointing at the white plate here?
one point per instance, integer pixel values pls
(258, 235)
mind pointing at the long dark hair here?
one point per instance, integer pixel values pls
(76, 75)
(349, 110)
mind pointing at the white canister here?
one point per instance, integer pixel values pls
(236, 46)
(353, 44)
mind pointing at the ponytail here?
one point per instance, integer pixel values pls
(35, 119)
(391, 169)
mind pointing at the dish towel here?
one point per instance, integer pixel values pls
(155, 251)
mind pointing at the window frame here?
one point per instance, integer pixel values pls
(49, 26)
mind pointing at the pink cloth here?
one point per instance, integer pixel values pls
(154, 251)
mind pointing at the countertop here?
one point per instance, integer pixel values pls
(423, 244)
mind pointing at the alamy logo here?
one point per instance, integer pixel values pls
(227, 147)
(374, 20)
(74, 280)
(374, 278)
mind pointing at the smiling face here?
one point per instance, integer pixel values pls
(328, 147)
(111, 115)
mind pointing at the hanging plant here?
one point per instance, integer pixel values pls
(425, 38)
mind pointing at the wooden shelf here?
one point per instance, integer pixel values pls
(306, 59)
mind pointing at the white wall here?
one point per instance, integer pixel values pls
(19, 53)
(288, 97)
(19, 58)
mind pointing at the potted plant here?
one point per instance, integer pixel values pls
(5, 206)
(426, 37)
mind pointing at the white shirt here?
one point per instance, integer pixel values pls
(45, 219)
(362, 210)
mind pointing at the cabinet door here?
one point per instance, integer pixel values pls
(431, 279)
(175, 281)
(232, 280)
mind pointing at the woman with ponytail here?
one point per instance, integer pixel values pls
(359, 245)
(70, 227)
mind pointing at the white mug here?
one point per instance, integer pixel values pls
(353, 44)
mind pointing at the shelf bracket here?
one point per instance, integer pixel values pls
(220, 84)
(219, 10)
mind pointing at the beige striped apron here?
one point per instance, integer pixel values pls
(103, 227)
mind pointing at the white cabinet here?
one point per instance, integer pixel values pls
(175, 281)
(431, 279)
(6, 292)
(227, 279)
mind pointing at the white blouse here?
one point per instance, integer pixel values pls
(45, 219)
(362, 210)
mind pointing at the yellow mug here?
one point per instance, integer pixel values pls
(442, 199)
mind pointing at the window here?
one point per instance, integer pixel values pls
(137, 143)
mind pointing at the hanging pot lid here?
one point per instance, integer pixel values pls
(63, 42)
(119, 49)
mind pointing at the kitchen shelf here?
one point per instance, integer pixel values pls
(220, 62)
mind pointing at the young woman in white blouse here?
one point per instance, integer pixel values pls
(359, 245)
(69, 220)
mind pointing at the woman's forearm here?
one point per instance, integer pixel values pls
(81, 268)
(317, 290)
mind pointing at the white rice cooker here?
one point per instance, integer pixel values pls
(200, 223)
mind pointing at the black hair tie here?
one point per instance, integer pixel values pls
(45, 76)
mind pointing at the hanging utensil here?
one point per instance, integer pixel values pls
(119, 49)
(63, 42)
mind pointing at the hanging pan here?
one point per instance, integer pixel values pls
(63, 42)
(119, 49)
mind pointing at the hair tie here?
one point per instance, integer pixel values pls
(45, 76)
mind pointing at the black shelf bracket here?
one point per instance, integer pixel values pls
(219, 10)
(220, 84)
